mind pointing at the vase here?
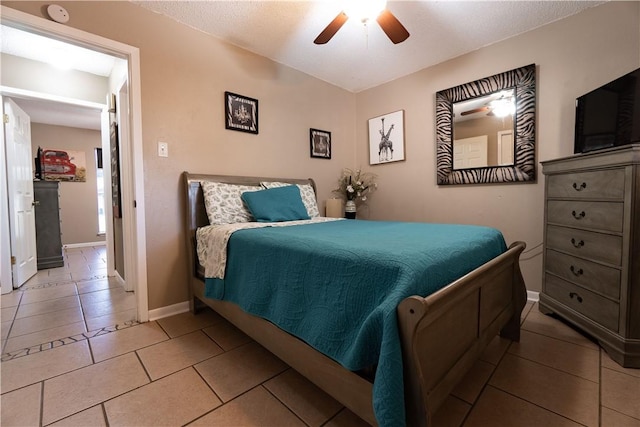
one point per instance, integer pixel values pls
(350, 209)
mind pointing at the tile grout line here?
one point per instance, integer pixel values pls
(565, 341)
(6, 340)
(104, 414)
(41, 402)
(600, 387)
(86, 327)
(265, 388)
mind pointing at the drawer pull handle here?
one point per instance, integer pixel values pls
(575, 295)
(577, 244)
(578, 215)
(579, 187)
(576, 272)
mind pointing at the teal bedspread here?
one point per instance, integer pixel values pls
(336, 285)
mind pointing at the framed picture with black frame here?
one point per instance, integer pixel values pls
(241, 113)
(320, 143)
(116, 198)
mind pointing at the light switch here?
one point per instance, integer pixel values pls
(163, 149)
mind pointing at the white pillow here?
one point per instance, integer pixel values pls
(306, 192)
(223, 203)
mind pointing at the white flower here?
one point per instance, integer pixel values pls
(356, 185)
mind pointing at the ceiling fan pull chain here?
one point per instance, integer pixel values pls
(366, 35)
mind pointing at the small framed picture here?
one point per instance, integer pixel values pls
(241, 113)
(320, 143)
(386, 138)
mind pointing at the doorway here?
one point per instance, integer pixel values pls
(132, 191)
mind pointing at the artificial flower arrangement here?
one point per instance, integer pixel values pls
(356, 185)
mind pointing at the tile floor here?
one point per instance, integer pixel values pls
(201, 371)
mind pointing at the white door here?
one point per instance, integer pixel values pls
(470, 152)
(17, 128)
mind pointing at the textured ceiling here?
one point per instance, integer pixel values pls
(360, 57)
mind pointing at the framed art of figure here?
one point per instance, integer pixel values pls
(386, 138)
(320, 143)
(241, 113)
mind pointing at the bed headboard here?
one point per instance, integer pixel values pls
(195, 212)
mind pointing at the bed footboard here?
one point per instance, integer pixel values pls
(444, 334)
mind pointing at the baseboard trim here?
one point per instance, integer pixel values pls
(83, 245)
(170, 310)
(533, 296)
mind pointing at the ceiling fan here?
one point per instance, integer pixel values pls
(500, 106)
(365, 10)
(478, 110)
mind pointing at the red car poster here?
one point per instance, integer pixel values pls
(63, 165)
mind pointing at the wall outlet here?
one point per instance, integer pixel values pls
(163, 149)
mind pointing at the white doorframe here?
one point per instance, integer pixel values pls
(132, 195)
(505, 147)
(128, 211)
(105, 129)
(6, 282)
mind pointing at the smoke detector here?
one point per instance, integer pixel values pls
(58, 13)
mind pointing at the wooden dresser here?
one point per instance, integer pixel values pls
(592, 247)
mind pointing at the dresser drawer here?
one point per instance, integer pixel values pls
(595, 307)
(599, 278)
(585, 244)
(606, 216)
(605, 184)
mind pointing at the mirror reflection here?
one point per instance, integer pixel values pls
(514, 161)
(483, 131)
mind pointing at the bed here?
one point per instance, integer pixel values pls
(439, 336)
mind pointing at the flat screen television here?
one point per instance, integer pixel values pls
(609, 116)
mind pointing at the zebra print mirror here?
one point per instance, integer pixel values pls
(523, 169)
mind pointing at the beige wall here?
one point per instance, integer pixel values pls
(185, 73)
(572, 57)
(78, 200)
(184, 76)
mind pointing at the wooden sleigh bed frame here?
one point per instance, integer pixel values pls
(442, 335)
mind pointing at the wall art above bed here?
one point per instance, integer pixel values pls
(241, 113)
(485, 130)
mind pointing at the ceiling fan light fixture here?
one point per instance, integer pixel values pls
(364, 10)
(503, 107)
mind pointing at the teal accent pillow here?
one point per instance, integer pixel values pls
(276, 204)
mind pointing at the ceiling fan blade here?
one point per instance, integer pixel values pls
(331, 29)
(475, 110)
(392, 27)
